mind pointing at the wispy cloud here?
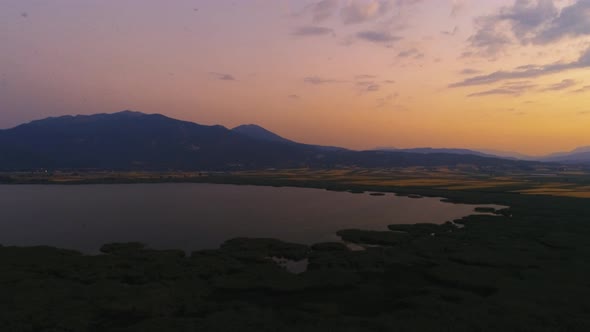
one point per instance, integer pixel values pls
(488, 39)
(310, 31)
(526, 72)
(370, 82)
(585, 88)
(316, 80)
(373, 87)
(355, 11)
(565, 84)
(469, 71)
(324, 9)
(451, 32)
(368, 86)
(411, 53)
(377, 37)
(365, 77)
(358, 11)
(294, 97)
(508, 89)
(222, 76)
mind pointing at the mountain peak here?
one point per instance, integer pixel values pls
(129, 113)
(249, 125)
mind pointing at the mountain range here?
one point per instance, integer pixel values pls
(439, 150)
(132, 140)
(577, 156)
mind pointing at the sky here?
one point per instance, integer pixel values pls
(511, 75)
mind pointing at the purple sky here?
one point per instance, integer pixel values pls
(508, 75)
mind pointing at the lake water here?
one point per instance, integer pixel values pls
(198, 216)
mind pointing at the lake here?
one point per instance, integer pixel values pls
(199, 216)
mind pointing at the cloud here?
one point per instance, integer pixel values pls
(354, 11)
(370, 86)
(573, 21)
(377, 37)
(585, 88)
(310, 31)
(469, 71)
(411, 53)
(405, 3)
(360, 11)
(294, 97)
(222, 76)
(324, 9)
(488, 38)
(450, 33)
(537, 22)
(389, 82)
(510, 89)
(315, 80)
(373, 87)
(565, 84)
(526, 72)
(527, 17)
(364, 77)
(584, 113)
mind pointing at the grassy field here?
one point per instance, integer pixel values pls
(526, 268)
(556, 181)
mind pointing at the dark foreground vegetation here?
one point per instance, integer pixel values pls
(526, 268)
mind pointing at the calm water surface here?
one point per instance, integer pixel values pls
(198, 216)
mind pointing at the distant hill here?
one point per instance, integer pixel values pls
(507, 154)
(438, 150)
(580, 155)
(132, 140)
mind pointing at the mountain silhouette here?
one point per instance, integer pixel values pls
(136, 141)
(438, 150)
(133, 140)
(579, 155)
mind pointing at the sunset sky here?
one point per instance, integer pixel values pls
(506, 75)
